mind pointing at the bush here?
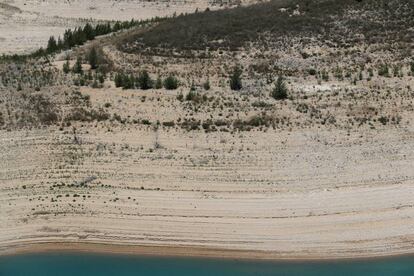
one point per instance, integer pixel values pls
(383, 120)
(384, 70)
(180, 97)
(158, 83)
(171, 83)
(128, 82)
(119, 79)
(125, 81)
(66, 67)
(168, 124)
(280, 90)
(93, 58)
(235, 79)
(206, 85)
(325, 75)
(52, 45)
(77, 68)
(146, 122)
(101, 78)
(144, 80)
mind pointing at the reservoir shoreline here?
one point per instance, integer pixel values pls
(186, 252)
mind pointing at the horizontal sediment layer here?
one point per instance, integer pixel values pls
(262, 194)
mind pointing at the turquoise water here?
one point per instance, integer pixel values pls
(102, 265)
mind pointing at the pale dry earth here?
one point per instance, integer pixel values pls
(313, 193)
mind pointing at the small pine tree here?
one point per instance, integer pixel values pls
(82, 81)
(77, 68)
(325, 75)
(370, 72)
(384, 71)
(119, 80)
(128, 82)
(191, 95)
(95, 84)
(52, 45)
(171, 83)
(93, 58)
(60, 44)
(66, 67)
(89, 31)
(206, 85)
(101, 78)
(235, 79)
(280, 90)
(89, 76)
(192, 87)
(158, 83)
(144, 80)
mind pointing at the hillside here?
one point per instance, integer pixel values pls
(278, 130)
(340, 24)
(27, 25)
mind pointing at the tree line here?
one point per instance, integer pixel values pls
(79, 36)
(143, 81)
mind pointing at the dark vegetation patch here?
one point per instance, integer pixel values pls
(87, 115)
(21, 109)
(341, 22)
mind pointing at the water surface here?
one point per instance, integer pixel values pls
(94, 264)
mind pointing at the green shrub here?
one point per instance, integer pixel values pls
(325, 75)
(66, 67)
(146, 122)
(280, 90)
(180, 97)
(206, 85)
(235, 79)
(191, 95)
(158, 83)
(144, 80)
(168, 124)
(77, 68)
(171, 83)
(93, 58)
(119, 80)
(383, 70)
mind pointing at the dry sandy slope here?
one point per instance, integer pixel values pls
(288, 194)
